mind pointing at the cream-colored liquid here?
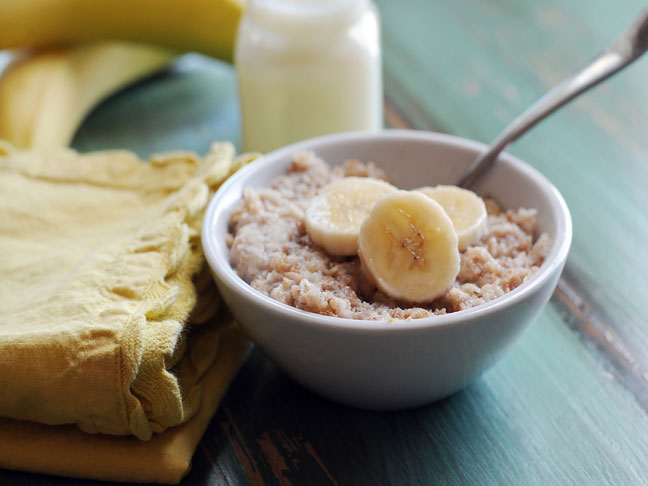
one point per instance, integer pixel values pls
(305, 83)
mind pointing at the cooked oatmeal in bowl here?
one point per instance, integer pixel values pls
(270, 248)
(326, 306)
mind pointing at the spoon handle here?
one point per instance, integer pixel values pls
(630, 45)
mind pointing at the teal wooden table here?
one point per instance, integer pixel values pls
(569, 404)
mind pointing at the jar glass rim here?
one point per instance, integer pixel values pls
(286, 14)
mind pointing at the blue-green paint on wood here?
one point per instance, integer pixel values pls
(552, 412)
(470, 68)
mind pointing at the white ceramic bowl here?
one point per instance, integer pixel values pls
(379, 365)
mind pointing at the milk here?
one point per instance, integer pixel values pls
(307, 68)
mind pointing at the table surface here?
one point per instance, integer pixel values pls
(569, 404)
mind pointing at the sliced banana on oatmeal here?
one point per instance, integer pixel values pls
(466, 210)
(334, 216)
(408, 246)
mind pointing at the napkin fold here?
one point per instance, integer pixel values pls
(64, 450)
(108, 318)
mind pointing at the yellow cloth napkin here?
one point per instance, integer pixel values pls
(66, 451)
(100, 269)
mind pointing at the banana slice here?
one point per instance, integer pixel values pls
(466, 210)
(408, 246)
(334, 216)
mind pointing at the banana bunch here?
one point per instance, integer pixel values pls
(68, 55)
(409, 242)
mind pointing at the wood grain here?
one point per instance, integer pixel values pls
(567, 405)
(522, 423)
(496, 60)
(581, 312)
(597, 330)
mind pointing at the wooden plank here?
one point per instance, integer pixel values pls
(530, 420)
(586, 317)
(470, 69)
(548, 414)
(553, 411)
(579, 311)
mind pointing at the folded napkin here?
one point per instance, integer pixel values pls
(108, 318)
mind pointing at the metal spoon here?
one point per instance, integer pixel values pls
(630, 45)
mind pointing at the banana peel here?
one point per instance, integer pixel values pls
(45, 95)
(74, 53)
(205, 26)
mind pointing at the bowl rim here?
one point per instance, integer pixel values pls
(222, 268)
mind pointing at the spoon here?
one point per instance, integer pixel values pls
(630, 45)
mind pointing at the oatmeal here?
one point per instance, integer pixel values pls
(271, 250)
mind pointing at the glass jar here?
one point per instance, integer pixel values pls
(306, 68)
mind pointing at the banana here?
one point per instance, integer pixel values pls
(408, 246)
(206, 26)
(335, 214)
(466, 210)
(45, 95)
